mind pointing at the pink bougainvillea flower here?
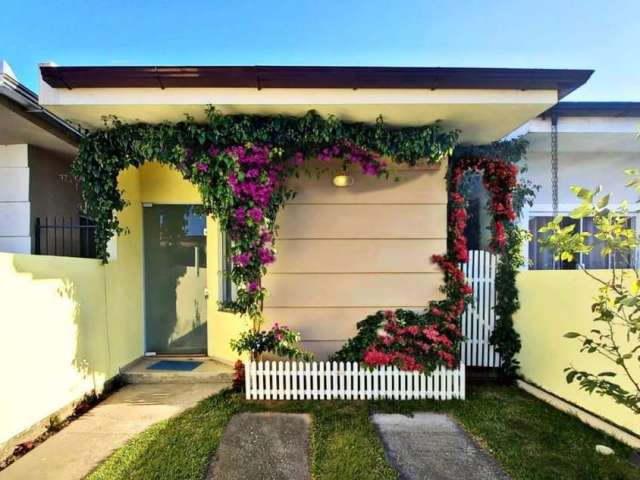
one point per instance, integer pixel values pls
(242, 259)
(373, 357)
(240, 215)
(202, 167)
(255, 214)
(298, 159)
(266, 255)
(266, 236)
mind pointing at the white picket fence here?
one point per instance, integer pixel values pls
(479, 318)
(285, 380)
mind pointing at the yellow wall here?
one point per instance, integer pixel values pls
(68, 324)
(161, 184)
(554, 303)
(54, 331)
(124, 287)
(221, 326)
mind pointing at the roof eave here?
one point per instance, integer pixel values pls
(594, 109)
(259, 77)
(23, 101)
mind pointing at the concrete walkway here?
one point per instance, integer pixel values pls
(79, 448)
(434, 447)
(263, 446)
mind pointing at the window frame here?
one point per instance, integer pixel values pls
(227, 290)
(546, 210)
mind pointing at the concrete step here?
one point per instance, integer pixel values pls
(210, 371)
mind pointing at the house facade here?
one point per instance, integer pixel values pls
(342, 252)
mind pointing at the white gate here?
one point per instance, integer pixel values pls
(479, 319)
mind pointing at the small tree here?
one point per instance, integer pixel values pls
(617, 303)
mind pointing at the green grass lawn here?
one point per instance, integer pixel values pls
(531, 439)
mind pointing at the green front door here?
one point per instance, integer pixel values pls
(175, 273)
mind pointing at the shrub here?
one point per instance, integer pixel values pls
(403, 338)
(280, 341)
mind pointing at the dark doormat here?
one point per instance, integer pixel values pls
(176, 365)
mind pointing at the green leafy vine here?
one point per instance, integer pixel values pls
(239, 164)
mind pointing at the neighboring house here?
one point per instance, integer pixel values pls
(36, 149)
(573, 143)
(586, 144)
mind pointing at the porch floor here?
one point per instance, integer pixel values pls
(210, 371)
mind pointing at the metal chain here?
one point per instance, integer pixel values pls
(554, 164)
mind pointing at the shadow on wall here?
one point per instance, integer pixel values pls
(54, 342)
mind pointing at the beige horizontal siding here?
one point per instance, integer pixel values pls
(351, 290)
(322, 348)
(363, 221)
(326, 323)
(409, 189)
(345, 253)
(356, 256)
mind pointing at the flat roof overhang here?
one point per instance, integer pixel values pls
(588, 127)
(484, 104)
(595, 109)
(23, 120)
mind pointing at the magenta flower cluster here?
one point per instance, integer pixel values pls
(369, 162)
(253, 183)
(257, 186)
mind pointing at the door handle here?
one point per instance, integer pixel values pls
(196, 261)
(206, 293)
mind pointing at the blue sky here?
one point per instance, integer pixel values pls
(602, 35)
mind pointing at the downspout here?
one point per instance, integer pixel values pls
(554, 163)
(554, 172)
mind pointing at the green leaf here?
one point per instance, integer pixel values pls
(604, 201)
(571, 335)
(571, 376)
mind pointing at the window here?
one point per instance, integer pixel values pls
(541, 259)
(228, 292)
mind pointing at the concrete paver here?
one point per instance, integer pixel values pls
(434, 447)
(79, 448)
(263, 446)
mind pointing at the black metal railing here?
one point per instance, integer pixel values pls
(65, 237)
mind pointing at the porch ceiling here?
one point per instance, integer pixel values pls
(484, 104)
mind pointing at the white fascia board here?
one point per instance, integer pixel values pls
(285, 96)
(586, 125)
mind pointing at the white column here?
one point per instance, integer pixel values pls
(15, 208)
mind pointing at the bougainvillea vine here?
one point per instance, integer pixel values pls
(257, 183)
(422, 341)
(240, 164)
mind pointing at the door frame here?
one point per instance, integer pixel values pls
(145, 351)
